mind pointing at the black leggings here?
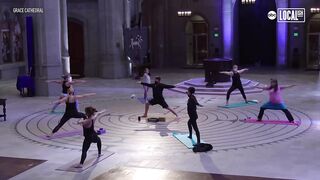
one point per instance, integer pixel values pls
(86, 145)
(192, 123)
(234, 87)
(286, 111)
(66, 117)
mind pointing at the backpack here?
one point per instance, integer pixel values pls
(202, 147)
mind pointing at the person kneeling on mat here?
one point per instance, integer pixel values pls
(192, 112)
(275, 100)
(158, 98)
(90, 135)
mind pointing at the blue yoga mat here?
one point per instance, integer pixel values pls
(183, 138)
(241, 104)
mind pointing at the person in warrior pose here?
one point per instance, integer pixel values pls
(275, 100)
(71, 109)
(157, 89)
(66, 83)
(236, 82)
(90, 135)
(192, 112)
(146, 79)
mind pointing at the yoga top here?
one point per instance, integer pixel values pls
(71, 107)
(275, 96)
(88, 132)
(65, 87)
(192, 105)
(236, 78)
(157, 89)
(146, 78)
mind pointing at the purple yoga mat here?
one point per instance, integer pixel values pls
(280, 122)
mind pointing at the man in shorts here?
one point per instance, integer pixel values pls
(157, 89)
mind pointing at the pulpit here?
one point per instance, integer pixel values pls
(212, 68)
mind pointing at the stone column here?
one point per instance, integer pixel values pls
(227, 19)
(65, 58)
(282, 37)
(111, 24)
(47, 46)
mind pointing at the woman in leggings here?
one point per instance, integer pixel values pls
(66, 83)
(90, 135)
(71, 108)
(236, 82)
(275, 100)
(192, 112)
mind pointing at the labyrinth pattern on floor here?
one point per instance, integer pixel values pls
(218, 126)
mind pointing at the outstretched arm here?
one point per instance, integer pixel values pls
(145, 84)
(168, 86)
(85, 95)
(77, 81)
(60, 100)
(243, 70)
(263, 88)
(229, 73)
(287, 86)
(197, 103)
(84, 121)
(54, 81)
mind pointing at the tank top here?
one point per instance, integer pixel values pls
(65, 87)
(275, 96)
(236, 78)
(88, 132)
(71, 107)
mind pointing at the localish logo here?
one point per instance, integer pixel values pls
(292, 15)
(272, 15)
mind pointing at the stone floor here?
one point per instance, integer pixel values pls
(275, 151)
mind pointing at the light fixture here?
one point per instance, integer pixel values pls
(248, 2)
(184, 10)
(315, 10)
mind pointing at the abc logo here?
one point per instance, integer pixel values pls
(272, 15)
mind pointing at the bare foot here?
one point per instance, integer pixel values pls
(99, 155)
(144, 116)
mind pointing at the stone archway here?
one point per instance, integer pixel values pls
(228, 34)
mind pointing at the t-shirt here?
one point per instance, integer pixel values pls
(158, 89)
(275, 96)
(146, 78)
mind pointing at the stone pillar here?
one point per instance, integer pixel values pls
(282, 37)
(227, 19)
(111, 23)
(47, 47)
(65, 58)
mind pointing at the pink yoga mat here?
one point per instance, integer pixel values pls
(280, 122)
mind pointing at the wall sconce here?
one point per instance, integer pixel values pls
(248, 1)
(184, 13)
(315, 10)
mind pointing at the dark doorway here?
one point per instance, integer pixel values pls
(313, 43)
(197, 40)
(255, 33)
(76, 47)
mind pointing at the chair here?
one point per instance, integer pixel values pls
(3, 103)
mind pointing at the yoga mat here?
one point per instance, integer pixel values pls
(183, 138)
(63, 134)
(90, 161)
(241, 104)
(280, 122)
(56, 112)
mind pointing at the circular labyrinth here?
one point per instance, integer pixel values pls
(219, 127)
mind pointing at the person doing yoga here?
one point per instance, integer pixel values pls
(236, 82)
(275, 100)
